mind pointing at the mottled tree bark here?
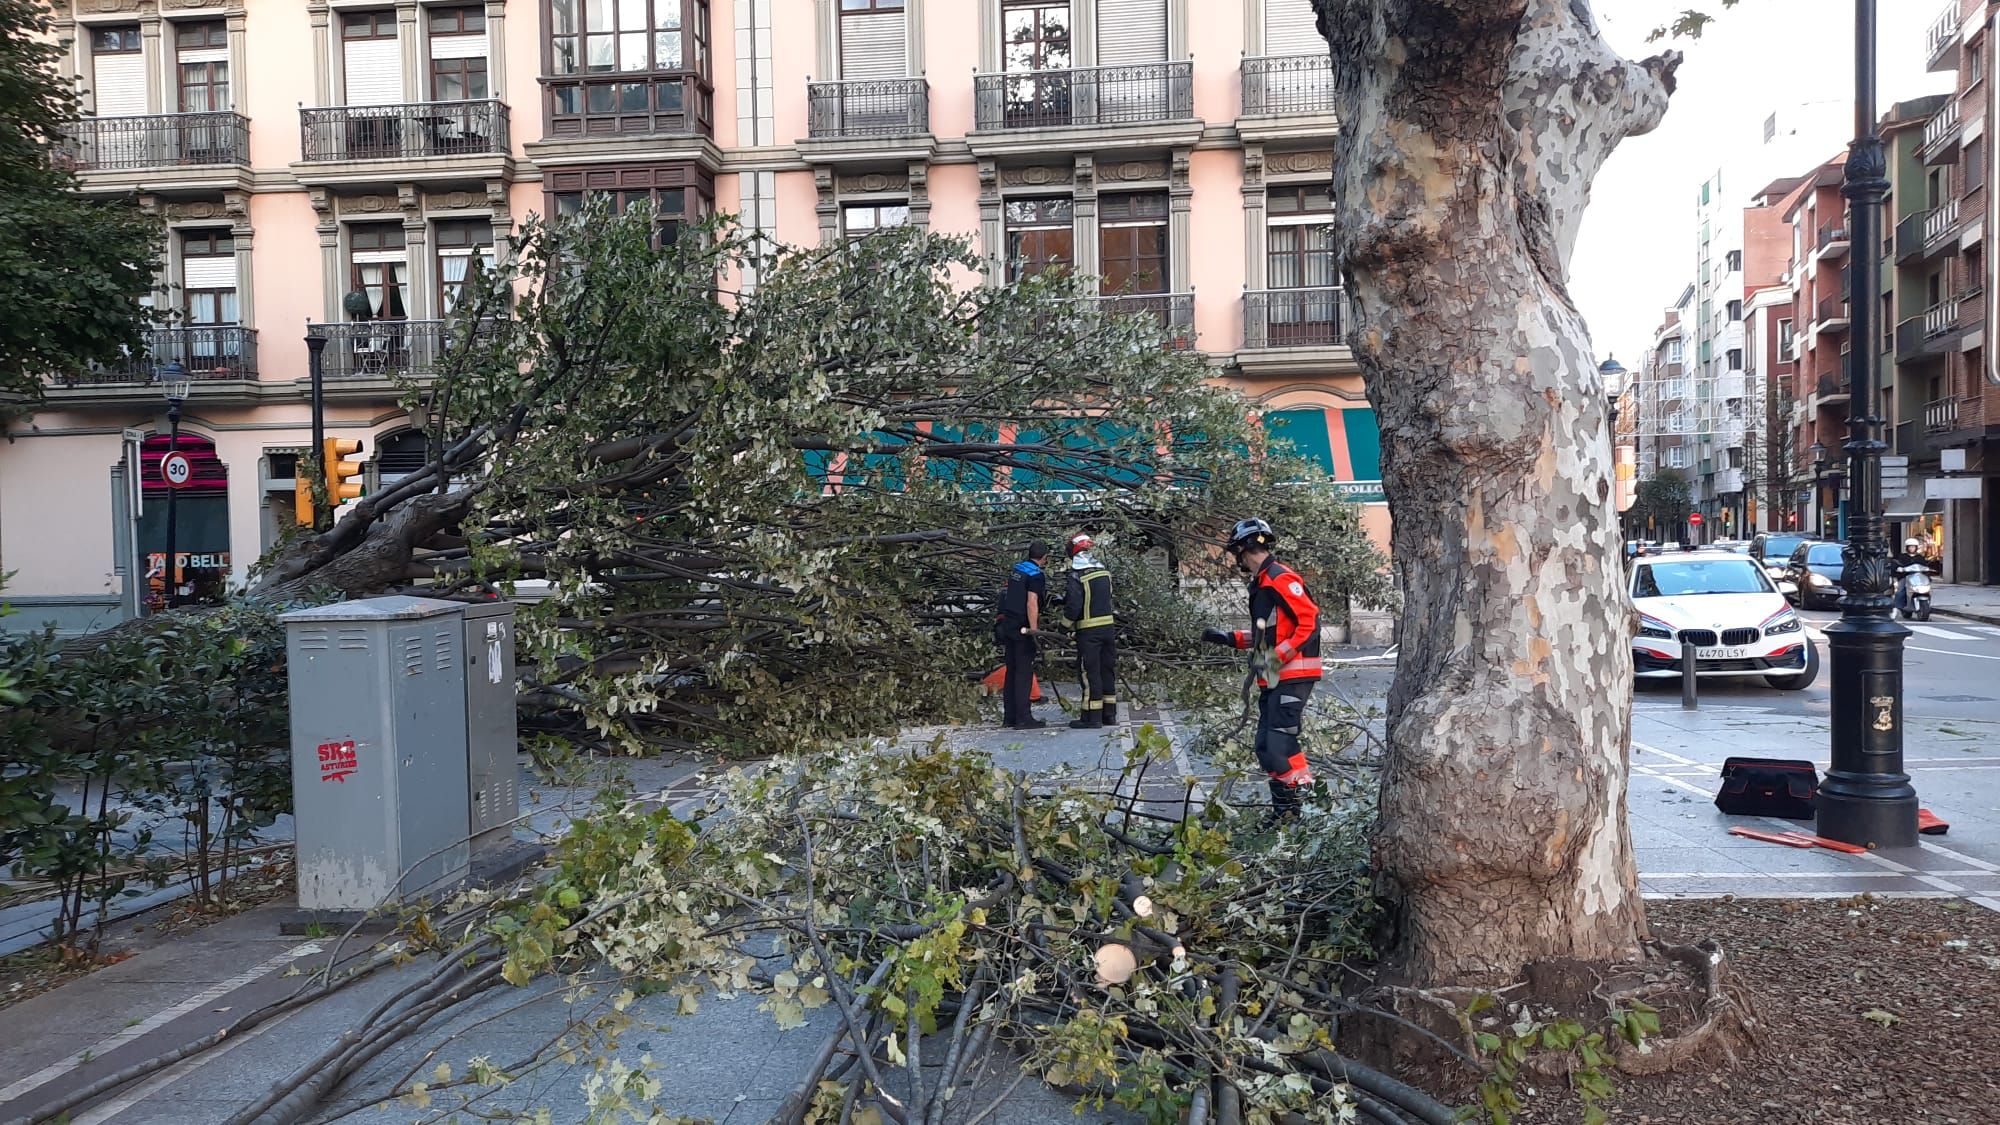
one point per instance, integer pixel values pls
(1471, 131)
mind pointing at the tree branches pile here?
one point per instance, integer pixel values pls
(776, 515)
(956, 917)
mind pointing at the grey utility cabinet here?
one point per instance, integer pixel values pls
(379, 778)
(494, 762)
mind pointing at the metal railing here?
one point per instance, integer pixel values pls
(1173, 311)
(373, 349)
(882, 107)
(412, 130)
(1830, 386)
(1294, 318)
(1941, 317)
(205, 352)
(1943, 32)
(1831, 234)
(1831, 310)
(1942, 124)
(1274, 84)
(1941, 415)
(1940, 221)
(1099, 95)
(159, 140)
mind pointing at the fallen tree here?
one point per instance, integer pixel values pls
(783, 513)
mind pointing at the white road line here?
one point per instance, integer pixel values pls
(155, 1021)
(1948, 652)
(1940, 634)
(111, 1110)
(1646, 875)
(1700, 895)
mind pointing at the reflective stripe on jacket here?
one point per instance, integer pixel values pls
(1088, 605)
(1289, 623)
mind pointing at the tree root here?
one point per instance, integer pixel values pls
(1707, 1016)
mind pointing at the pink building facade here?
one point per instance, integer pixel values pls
(328, 169)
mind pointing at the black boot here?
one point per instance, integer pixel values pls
(1284, 804)
(1091, 719)
(1110, 711)
(1029, 723)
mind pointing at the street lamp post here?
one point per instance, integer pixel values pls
(1613, 374)
(1866, 797)
(173, 382)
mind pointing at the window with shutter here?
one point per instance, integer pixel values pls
(1131, 31)
(872, 43)
(1291, 29)
(372, 61)
(458, 54)
(118, 71)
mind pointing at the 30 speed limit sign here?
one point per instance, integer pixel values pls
(176, 470)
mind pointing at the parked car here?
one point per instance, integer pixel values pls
(1815, 568)
(1774, 548)
(1728, 610)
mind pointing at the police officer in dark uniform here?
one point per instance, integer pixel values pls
(1087, 607)
(1020, 618)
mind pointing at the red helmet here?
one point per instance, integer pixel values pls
(1079, 543)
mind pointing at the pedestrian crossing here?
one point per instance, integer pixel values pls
(1955, 632)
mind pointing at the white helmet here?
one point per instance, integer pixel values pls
(1912, 544)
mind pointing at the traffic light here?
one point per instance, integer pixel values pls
(342, 477)
(302, 495)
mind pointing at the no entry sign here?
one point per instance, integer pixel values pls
(1695, 518)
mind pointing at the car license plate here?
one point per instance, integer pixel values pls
(1722, 653)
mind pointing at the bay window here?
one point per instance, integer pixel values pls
(627, 66)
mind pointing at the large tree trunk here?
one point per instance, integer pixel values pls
(1471, 131)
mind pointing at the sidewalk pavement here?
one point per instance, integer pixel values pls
(1966, 602)
(729, 1062)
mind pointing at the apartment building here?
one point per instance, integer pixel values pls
(327, 170)
(1768, 367)
(1661, 404)
(1716, 367)
(1948, 380)
(1821, 284)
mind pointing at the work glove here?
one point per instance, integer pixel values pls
(1219, 637)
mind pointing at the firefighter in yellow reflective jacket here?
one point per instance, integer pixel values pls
(1087, 607)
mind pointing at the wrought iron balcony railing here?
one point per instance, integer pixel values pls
(1294, 318)
(1275, 84)
(1101, 95)
(159, 140)
(885, 107)
(1831, 314)
(1941, 415)
(205, 352)
(1173, 311)
(376, 349)
(411, 131)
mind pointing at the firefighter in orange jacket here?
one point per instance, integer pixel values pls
(1283, 639)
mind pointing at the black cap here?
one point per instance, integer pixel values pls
(1037, 550)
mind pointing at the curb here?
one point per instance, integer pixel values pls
(1962, 615)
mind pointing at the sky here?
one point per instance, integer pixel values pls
(1636, 251)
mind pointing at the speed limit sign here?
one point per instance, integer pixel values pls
(176, 470)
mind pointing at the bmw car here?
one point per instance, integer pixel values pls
(1726, 609)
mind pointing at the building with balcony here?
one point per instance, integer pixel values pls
(1947, 386)
(332, 168)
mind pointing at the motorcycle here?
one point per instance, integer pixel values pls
(1914, 590)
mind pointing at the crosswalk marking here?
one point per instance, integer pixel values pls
(1941, 634)
(1989, 630)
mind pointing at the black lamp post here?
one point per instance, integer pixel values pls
(1866, 798)
(173, 381)
(1818, 452)
(1613, 374)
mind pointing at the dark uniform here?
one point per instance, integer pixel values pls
(1087, 607)
(1018, 648)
